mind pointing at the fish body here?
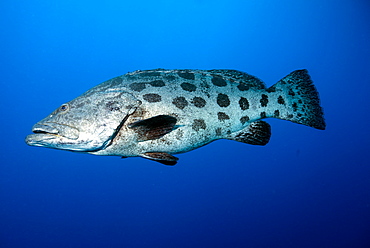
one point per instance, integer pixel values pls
(157, 113)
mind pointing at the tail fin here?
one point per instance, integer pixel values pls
(299, 100)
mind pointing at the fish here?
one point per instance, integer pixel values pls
(155, 114)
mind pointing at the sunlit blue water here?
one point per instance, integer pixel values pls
(306, 188)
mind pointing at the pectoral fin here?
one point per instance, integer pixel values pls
(257, 133)
(161, 157)
(154, 127)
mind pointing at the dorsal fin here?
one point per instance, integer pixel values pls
(257, 133)
(154, 127)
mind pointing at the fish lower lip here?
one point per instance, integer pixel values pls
(40, 138)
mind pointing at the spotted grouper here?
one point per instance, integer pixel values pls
(157, 113)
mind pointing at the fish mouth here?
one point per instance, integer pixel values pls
(45, 129)
(44, 134)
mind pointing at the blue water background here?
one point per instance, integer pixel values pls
(306, 188)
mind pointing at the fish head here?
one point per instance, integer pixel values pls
(86, 124)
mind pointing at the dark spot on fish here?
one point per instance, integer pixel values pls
(137, 86)
(116, 80)
(199, 124)
(244, 119)
(198, 102)
(188, 87)
(157, 83)
(264, 100)
(276, 113)
(170, 77)
(290, 116)
(150, 74)
(263, 114)
(218, 81)
(243, 87)
(291, 93)
(271, 89)
(186, 75)
(281, 100)
(295, 106)
(179, 134)
(222, 116)
(223, 100)
(152, 97)
(180, 102)
(299, 115)
(218, 131)
(243, 103)
(113, 106)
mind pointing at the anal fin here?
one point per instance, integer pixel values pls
(257, 133)
(161, 157)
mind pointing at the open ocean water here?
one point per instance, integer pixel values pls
(306, 188)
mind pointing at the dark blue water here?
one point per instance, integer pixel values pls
(306, 188)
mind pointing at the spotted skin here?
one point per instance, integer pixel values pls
(186, 75)
(180, 102)
(137, 87)
(198, 102)
(199, 124)
(222, 116)
(243, 103)
(281, 100)
(244, 119)
(223, 100)
(157, 83)
(264, 100)
(190, 108)
(188, 87)
(218, 81)
(152, 98)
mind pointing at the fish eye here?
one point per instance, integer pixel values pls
(64, 108)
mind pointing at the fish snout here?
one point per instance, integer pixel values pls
(57, 129)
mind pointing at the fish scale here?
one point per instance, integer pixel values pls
(157, 113)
